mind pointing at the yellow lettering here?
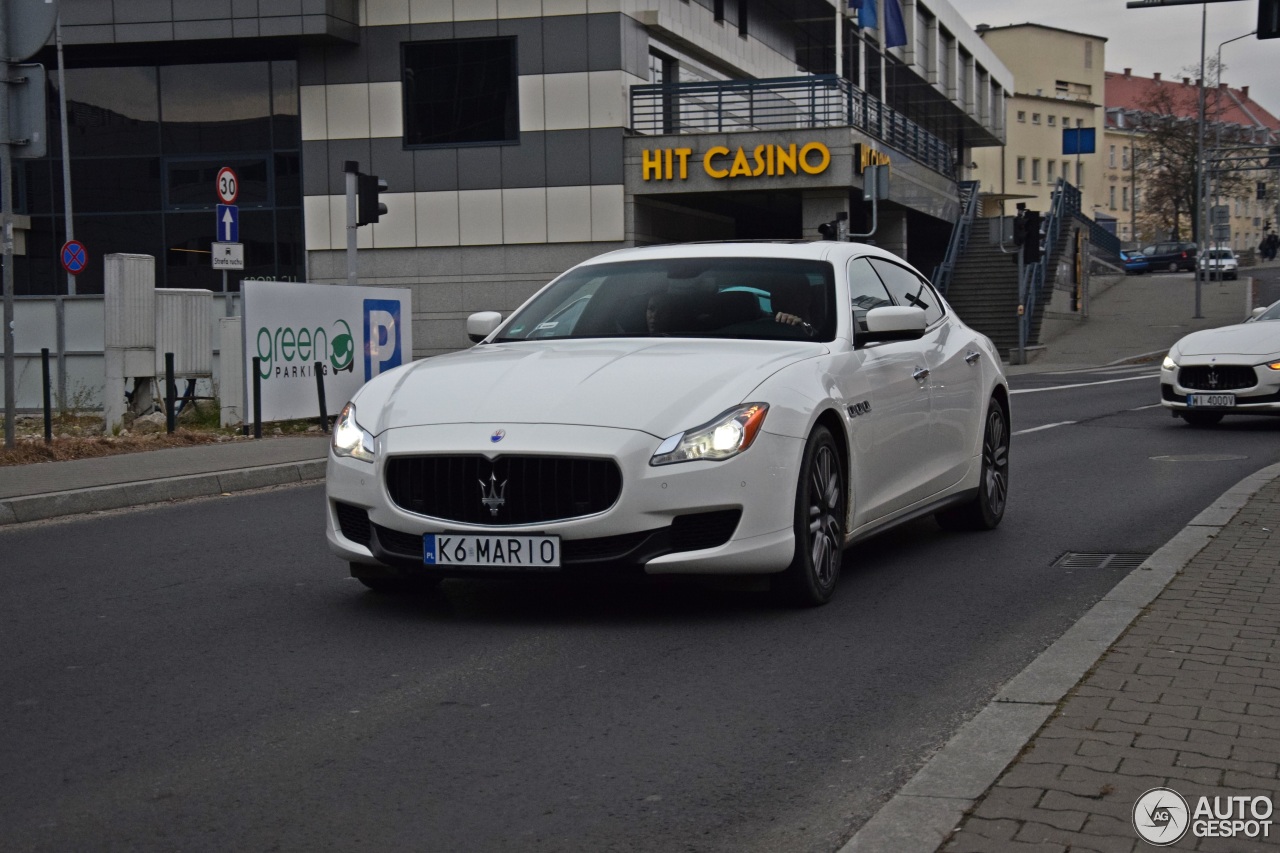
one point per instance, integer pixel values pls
(740, 166)
(786, 159)
(822, 164)
(669, 154)
(651, 167)
(715, 151)
(759, 169)
(683, 155)
(769, 155)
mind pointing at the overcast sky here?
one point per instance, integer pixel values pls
(1164, 39)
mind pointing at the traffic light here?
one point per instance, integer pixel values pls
(1031, 237)
(832, 230)
(1268, 19)
(368, 208)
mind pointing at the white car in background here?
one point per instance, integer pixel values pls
(1234, 370)
(734, 408)
(1220, 264)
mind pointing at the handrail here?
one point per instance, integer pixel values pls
(820, 100)
(1065, 203)
(959, 235)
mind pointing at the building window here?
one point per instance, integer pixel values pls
(742, 18)
(1111, 198)
(1088, 54)
(717, 11)
(1035, 170)
(1124, 198)
(1022, 170)
(1052, 120)
(1111, 157)
(460, 92)
(1052, 170)
(1135, 198)
(1080, 175)
(1066, 121)
(1022, 116)
(1124, 157)
(1035, 118)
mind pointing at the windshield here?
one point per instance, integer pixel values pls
(1215, 254)
(1272, 313)
(761, 298)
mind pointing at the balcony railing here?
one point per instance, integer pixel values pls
(722, 106)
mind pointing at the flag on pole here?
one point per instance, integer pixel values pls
(866, 13)
(895, 32)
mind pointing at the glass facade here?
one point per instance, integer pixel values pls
(146, 144)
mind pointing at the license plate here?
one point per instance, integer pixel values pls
(1216, 401)
(495, 552)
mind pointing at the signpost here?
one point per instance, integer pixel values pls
(24, 29)
(228, 251)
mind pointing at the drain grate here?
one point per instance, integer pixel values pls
(1099, 560)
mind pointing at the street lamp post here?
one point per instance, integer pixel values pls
(1217, 144)
(1200, 164)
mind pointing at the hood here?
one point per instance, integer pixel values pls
(1255, 340)
(659, 387)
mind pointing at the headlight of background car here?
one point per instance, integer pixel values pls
(1169, 363)
(350, 439)
(723, 438)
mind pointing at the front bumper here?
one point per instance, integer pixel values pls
(662, 521)
(1260, 398)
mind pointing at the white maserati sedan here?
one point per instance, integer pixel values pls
(713, 408)
(1232, 370)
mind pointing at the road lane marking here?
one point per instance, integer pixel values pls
(1046, 426)
(1152, 406)
(1083, 384)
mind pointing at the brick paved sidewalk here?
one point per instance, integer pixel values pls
(1188, 698)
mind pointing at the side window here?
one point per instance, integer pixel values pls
(907, 288)
(866, 291)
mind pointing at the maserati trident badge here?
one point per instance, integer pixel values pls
(493, 496)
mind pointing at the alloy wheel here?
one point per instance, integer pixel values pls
(826, 511)
(995, 460)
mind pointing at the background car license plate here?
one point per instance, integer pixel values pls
(499, 552)
(1217, 401)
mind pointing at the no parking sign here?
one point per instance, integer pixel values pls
(74, 257)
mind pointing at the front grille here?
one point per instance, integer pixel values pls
(1217, 377)
(353, 521)
(507, 490)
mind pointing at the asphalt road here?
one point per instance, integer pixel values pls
(201, 676)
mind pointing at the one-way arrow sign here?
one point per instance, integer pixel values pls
(228, 223)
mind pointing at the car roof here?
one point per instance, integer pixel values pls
(829, 250)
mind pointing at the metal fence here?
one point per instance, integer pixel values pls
(824, 100)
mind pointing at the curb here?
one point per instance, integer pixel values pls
(920, 817)
(78, 501)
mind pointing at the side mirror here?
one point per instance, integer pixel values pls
(482, 324)
(891, 323)
(1257, 312)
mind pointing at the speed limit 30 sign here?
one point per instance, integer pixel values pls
(228, 186)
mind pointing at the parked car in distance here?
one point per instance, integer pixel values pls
(709, 408)
(1220, 263)
(1171, 255)
(1233, 370)
(1135, 263)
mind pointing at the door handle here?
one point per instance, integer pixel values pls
(971, 356)
(920, 374)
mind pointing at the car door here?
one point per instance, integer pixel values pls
(954, 378)
(886, 406)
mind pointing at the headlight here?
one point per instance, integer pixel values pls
(350, 439)
(723, 438)
(1169, 363)
(1275, 365)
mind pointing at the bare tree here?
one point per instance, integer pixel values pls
(1168, 120)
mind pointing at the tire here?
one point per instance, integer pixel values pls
(388, 584)
(821, 492)
(1201, 419)
(986, 509)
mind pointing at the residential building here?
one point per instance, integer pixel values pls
(1059, 84)
(1235, 123)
